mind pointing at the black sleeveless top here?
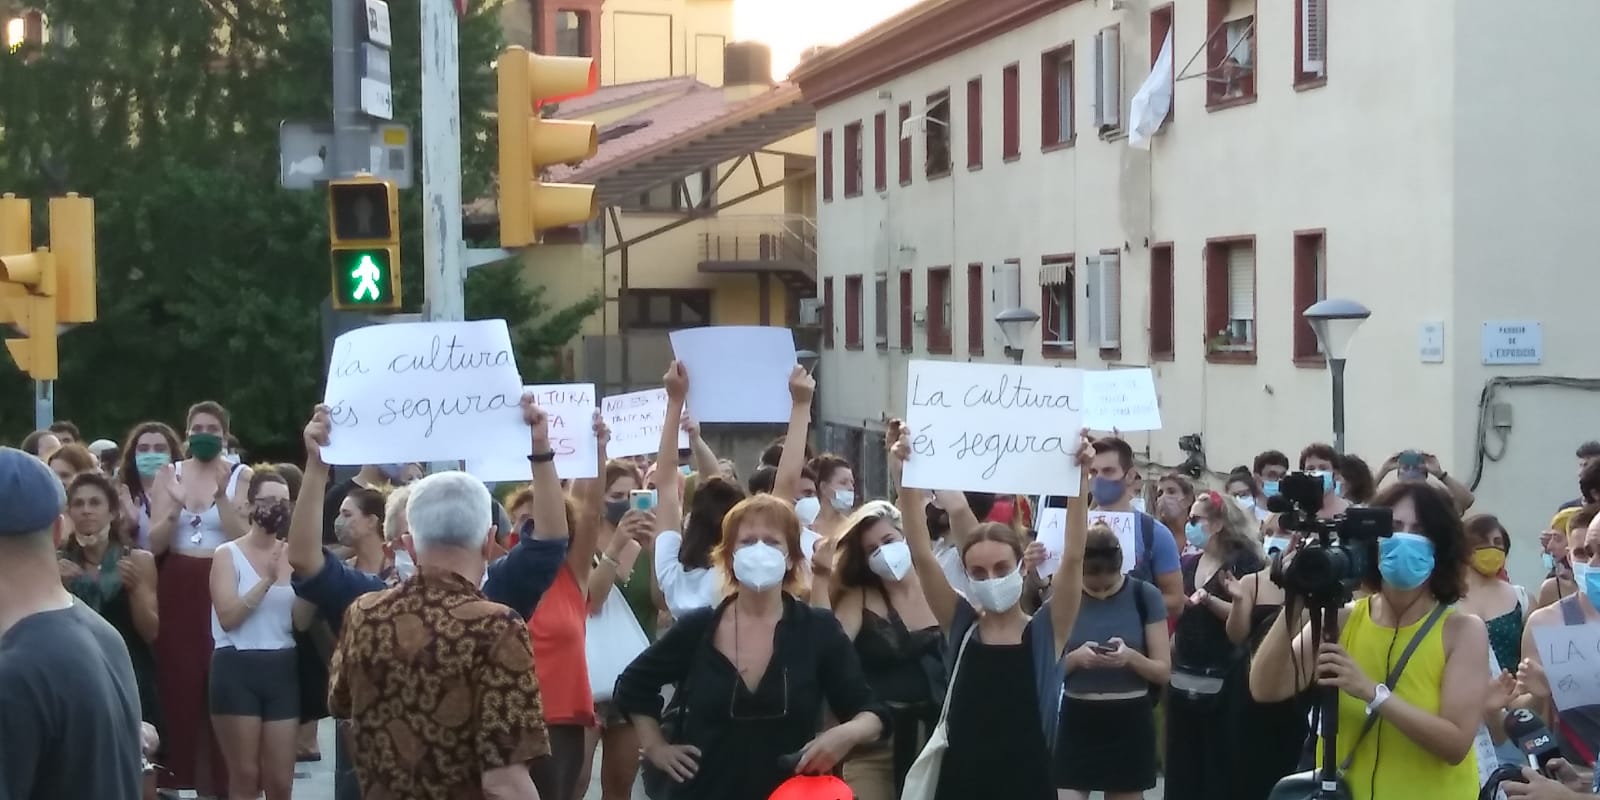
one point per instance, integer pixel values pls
(902, 666)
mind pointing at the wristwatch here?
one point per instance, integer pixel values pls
(1380, 695)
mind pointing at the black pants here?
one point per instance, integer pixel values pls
(556, 775)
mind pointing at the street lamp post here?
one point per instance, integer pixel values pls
(1335, 321)
(1015, 325)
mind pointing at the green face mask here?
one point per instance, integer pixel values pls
(205, 446)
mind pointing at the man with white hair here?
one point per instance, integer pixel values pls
(436, 679)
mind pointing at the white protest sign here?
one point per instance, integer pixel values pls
(423, 391)
(1121, 400)
(737, 373)
(1125, 525)
(635, 420)
(1571, 658)
(1053, 535)
(993, 428)
(570, 407)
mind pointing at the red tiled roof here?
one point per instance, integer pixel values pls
(651, 131)
(623, 93)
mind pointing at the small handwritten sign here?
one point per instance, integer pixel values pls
(1125, 525)
(423, 391)
(1053, 535)
(570, 407)
(1121, 400)
(993, 428)
(1571, 658)
(635, 420)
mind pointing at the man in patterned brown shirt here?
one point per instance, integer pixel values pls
(436, 680)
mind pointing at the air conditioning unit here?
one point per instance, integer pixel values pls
(810, 311)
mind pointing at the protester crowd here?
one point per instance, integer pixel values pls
(174, 619)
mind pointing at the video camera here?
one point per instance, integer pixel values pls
(1335, 554)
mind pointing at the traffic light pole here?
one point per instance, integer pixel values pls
(352, 135)
(443, 249)
(44, 404)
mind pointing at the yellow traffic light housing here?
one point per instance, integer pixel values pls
(529, 143)
(364, 243)
(40, 289)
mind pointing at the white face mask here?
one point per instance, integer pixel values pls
(1138, 505)
(1247, 502)
(403, 565)
(844, 499)
(891, 562)
(997, 595)
(759, 566)
(807, 509)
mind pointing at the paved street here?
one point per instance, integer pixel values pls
(315, 781)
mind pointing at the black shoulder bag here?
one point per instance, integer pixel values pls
(1309, 785)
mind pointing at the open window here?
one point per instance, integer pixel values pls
(1311, 43)
(1058, 302)
(1229, 54)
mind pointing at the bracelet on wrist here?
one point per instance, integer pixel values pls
(543, 458)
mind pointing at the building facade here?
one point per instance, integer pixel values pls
(973, 156)
(704, 181)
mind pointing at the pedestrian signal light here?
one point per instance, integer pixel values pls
(529, 143)
(364, 243)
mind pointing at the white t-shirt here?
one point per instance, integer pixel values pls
(950, 561)
(684, 589)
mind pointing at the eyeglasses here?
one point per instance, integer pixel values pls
(733, 701)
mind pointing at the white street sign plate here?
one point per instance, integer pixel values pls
(377, 98)
(305, 155)
(1513, 342)
(378, 23)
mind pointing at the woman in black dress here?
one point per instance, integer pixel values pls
(1007, 675)
(1208, 686)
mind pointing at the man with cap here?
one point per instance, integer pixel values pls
(69, 707)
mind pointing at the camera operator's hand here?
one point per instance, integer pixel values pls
(1567, 786)
(1336, 668)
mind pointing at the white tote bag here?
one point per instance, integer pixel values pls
(922, 780)
(612, 640)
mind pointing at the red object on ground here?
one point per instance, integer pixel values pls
(813, 787)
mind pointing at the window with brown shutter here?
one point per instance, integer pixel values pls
(880, 152)
(880, 310)
(975, 123)
(852, 312)
(975, 309)
(1058, 306)
(1057, 125)
(1310, 287)
(852, 160)
(1161, 25)
(827, 165)
(1310, 44)
(1230, 53)
(905, 144)
(1230, 299)
(939, 310)
(906, 299)
(827, 313)
(1161, 305)
(1010, 102)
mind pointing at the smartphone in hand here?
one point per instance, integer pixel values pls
(642, 500)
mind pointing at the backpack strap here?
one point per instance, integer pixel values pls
(1393, 678)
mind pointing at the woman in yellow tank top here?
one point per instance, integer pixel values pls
(1421, 746)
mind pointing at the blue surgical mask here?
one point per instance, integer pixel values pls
(1405, 560)
(1580, 571)
(1549, 561)
(1107, 491)
(1269, 488)
(1195, 534)
(150, 463)
(1591, 587)
(1277, 543)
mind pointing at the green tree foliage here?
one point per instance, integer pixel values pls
(210, 274)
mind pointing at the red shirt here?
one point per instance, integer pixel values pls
(557, 628)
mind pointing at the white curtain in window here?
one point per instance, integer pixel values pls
(1241, 282)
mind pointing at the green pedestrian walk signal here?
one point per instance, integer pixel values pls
(364, 242)
(364, 278)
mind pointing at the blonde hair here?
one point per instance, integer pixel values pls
(394, 507)
(1234, 528)
(779, 514)
(850, 570)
